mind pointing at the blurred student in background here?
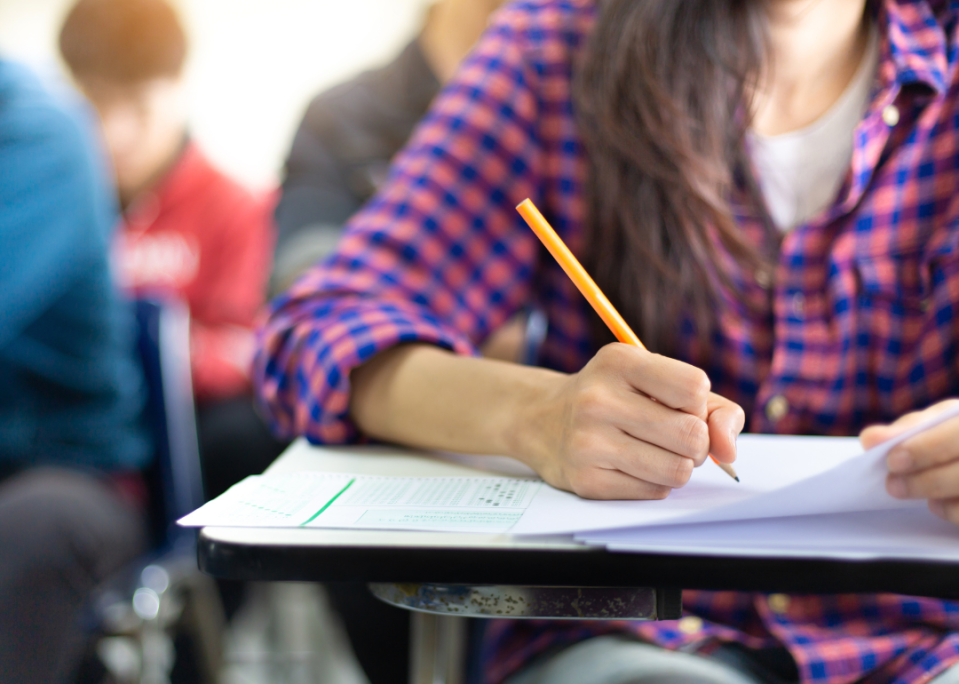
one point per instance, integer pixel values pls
(189, 231)
(71, 442)
(343, 147)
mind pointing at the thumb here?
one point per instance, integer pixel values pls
(725, 421)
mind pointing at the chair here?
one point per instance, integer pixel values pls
(164, 594)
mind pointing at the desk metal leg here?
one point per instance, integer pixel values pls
(437, 649)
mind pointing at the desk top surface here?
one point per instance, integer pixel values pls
(384, 556)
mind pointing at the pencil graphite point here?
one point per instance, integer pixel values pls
(726, 468)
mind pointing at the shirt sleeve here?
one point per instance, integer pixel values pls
(55, 221)
(438, 256)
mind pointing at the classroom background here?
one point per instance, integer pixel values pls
(252, 67)
(253, 64)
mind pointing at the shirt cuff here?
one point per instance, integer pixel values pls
(307, 352)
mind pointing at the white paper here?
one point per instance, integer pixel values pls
(331, 500)
(781, 476)
(892, 534)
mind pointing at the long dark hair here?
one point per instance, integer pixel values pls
(662, 95)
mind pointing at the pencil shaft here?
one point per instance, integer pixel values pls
(581, 279)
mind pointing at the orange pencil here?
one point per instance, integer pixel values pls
(585, 284)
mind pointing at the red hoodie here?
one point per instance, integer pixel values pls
(205, 239)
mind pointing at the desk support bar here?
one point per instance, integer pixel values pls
(556, 603)
(437, 649)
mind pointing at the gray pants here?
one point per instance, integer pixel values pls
(61, 534)
(622, 660)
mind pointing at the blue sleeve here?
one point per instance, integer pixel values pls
(56, 216)
(73, 388)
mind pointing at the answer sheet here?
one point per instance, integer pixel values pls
(454, 504)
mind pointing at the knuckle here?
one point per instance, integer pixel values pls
(659, 492)
(586, 485)
(922, 486)
(611, 354)
(699, 459)
(593, 399)
(932, 488)
(699, 387)
(583, 446)
(951, 510)
(680, 470)
(693, 437)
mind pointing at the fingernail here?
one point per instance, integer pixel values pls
(896, 486)
(899, 460)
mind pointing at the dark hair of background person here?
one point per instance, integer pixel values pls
(124, 41)
(662, 97)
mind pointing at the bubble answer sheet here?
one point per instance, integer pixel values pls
(784, 479)
(455, 504)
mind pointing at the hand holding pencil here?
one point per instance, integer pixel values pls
(680, 419)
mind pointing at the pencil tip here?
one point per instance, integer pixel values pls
(737, 479)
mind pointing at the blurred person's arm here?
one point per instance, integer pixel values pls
(72, 389)
(340, 155)
(51, 217)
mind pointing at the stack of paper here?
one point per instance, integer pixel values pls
(799, 496)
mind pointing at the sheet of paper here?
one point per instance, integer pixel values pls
(781, 476)
(892, 534)
(447, 504)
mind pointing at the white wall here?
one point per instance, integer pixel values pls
(254, 63)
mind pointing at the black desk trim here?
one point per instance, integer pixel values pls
(597, 568)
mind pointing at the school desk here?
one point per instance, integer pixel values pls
(443, 577)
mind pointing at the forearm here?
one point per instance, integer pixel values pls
(423, 396)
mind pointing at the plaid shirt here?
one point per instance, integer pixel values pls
(856, 325)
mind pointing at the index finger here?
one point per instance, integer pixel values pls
(676, 384)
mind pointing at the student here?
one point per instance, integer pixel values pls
(189, 231)
(71, 440)
(766, 190)
(342, 150)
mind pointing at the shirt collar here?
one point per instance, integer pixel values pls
(915, 47)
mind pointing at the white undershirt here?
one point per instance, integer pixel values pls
(800, 172)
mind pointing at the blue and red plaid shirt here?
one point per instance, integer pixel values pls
(857, 324)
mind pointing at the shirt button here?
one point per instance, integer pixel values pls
(778, 603)
(777, 408)
(890, 114)
(690, 625)
(798, 303)
(764, 279)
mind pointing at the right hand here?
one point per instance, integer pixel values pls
(631, 425)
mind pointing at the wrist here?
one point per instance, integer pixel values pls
(531, 430)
